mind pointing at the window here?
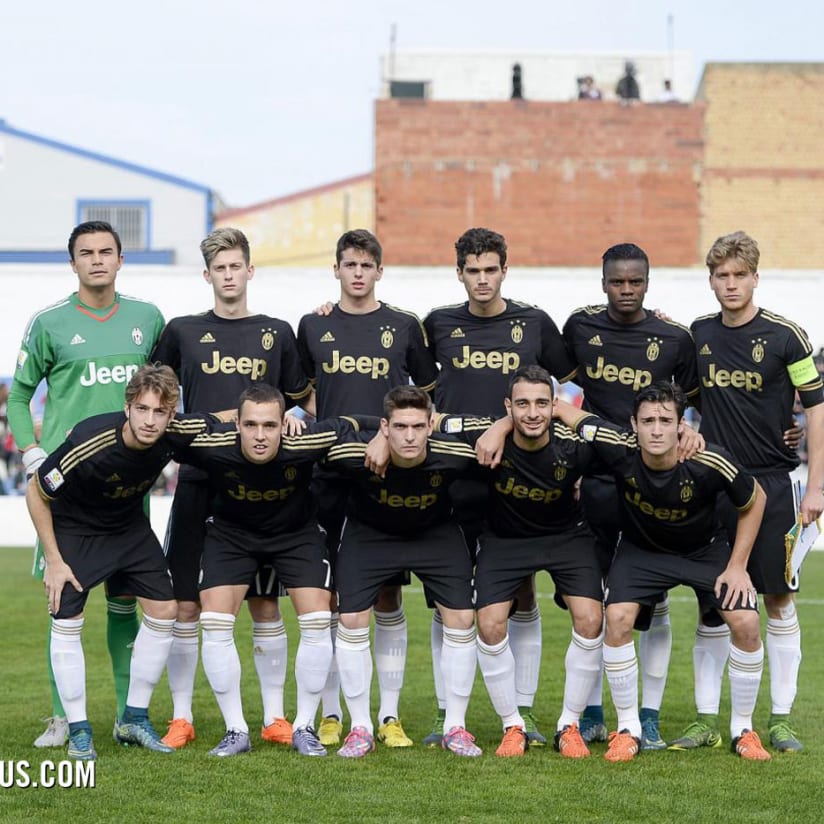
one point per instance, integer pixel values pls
(129, 218)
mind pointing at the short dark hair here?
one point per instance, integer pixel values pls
(361, 239)
(624, 251)
(154, 377)
(261, 393)
(661, 392)
(531, 374)
(92, 227)
(406, 397)
(477, 242)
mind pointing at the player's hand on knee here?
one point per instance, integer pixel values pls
(57, 575)
(739, 586)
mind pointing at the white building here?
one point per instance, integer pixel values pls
(487, 74)
(47, 187)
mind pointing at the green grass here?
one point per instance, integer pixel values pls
(402, 785)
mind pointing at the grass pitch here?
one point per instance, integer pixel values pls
(412, 785)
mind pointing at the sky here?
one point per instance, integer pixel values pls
(261, 98)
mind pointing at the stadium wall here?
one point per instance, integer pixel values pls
(764, 157)
(562, 181)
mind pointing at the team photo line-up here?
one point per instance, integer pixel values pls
(438, 448)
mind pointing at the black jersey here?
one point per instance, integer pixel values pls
(615, 360)
(531, 493)
(407, 500)
(670, 510)
(270, 498)
(218, 358)
(749, 375)
(96, 483)
(354, 360)
(479, 354)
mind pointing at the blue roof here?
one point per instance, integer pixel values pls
(100, 158)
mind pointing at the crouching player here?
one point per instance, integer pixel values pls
(86, 503)
(534, 523)
(672, 535)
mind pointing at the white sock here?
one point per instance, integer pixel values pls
(745, 678)
(222, 666)
(312, 663)
(709, 657)
(355, 667)
(498, 669)
(458, 658)
(390, 660)
(149, 655)
(330, 695)
(69, 666)
(654, 648)
(436, 644)
(270, 646)
(621, 667)
(784, 656)
(525, 642)
(182, 667)
(583, 669)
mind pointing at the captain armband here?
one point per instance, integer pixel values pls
(803, 372)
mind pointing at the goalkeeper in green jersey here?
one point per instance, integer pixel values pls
(86, 347)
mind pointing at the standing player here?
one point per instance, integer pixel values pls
(479, 344)
(354, 355)
(86, 503)
(535, 522)
(620, 348)
(403, 522)
(751, 362)
(217, 354)
(86, 347)
(672, 535)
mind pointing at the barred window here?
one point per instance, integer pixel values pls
(130, 221)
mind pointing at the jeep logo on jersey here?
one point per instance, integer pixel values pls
(758, 350)
(103, 375)
(737, 378)
(517, 332)
(531, 493)
(267, 341)
(254, 367)
(137, 336)
(121, 491)
(407, 501)
(661, 513)
(653, 349)
(626, 375)
(364, 365)
(387, 336)
(506, 362)
(243, 493)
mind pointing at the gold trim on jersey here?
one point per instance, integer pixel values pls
(411, 315)
(717, 462)
(780, 320)
(84, 451)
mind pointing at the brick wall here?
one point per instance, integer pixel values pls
(562, 181)
(764, 162)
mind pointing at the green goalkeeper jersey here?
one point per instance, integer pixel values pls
(87, 357)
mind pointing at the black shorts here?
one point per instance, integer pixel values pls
(569, 557)
(470, 499)
(233, 556)
(768, 556)
(331, 492)
(131, 562)
(185, 534)
(599, 498)
(367, 559)
(640, 576)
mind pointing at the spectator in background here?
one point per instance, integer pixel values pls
(668, 95)
(587, 90)
(627, 88)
